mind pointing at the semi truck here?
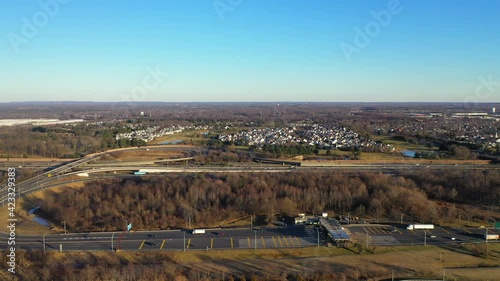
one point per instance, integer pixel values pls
(420, 226)
(198, 231)
(491, 236)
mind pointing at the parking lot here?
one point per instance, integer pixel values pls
(397, 234)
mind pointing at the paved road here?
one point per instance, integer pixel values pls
(175, 240)
(392, 235)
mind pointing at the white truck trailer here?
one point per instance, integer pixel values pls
(198, 231)
(420, 226)
(491, 236)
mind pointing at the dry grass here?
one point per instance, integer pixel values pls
(394, 161)
(25, 224)
(194, 135)
(403, 261)
(143, 155)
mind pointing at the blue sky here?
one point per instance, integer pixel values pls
(249, 50)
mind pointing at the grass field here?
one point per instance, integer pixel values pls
(418, 261)
(194, 135)
(401, 145)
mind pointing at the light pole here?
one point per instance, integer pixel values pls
(348, 218)
(401, 218)
(317, 230)
(425, 238)
(44, 240)
(64, 223)
(112, 248)
(255, 240)
(184, 241)
(189, 222)
(366, 238)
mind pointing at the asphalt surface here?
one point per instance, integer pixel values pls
(173, 240)
(394, 235)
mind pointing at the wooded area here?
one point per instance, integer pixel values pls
(169, 201)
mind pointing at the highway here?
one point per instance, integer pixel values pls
(172, 240)
(245, 238)
(179, 240)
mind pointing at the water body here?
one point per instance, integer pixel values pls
(409, 153)
(37, 219)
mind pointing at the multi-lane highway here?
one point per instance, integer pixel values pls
(245, 238)
(173, 240)
(230, 238)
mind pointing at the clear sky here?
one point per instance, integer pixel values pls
(249, 50)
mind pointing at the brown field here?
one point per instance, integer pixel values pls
(194, 135)
(142, 155)
(395, 161)
(456, 264)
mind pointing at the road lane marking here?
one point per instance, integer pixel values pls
(162, 244)
(189, 243)
(142, 244)
(211, 243)
(291, 240)
(367, 230)
(263, 242)
(249, 245)
(275, 245)
(446, 230)
(281, 243)
(286, 242)
(298, 241)
(465, 229)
